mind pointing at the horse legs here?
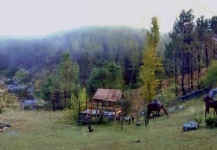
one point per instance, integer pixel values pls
(148, 114)
(158, 112)
(215, 111)
(146, 120)
(207, 110)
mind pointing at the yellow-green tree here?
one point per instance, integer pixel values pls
(152, 62)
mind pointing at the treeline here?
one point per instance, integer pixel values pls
(90, 47)
(192, 48)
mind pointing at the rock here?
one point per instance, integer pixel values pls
(7, 124)
(31, 104)
(138, 123)
(181, 107)
(5, 129)
(191, 125)
(171, 109)
(14, 87)
(4, 126)
(176, 109)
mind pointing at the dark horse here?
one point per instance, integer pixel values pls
(209, 102)
(207, 98)
(155, 106)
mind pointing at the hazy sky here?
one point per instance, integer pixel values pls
(39, 17)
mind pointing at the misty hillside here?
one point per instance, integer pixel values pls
(89, 46)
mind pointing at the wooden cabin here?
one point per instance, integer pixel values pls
(104, 103)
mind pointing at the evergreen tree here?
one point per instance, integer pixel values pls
(201, 31)
(68, 75)
(182, 38)
(213, 28)
(60, 84)
(109, 75)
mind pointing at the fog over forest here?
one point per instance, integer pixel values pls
(88, 46)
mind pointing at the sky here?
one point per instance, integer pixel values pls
(41, 17)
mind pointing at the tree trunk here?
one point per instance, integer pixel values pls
(198, 71)
(214, 50)
(191, 72)
(53, 104)
(176, 74)
(122, 118)
(188, 70)
(65, 97)
(183, 74)
(207, 59)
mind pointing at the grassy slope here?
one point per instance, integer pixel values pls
(38, 130)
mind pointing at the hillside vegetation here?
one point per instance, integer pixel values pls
(88, 46)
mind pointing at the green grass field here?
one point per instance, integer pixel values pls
(42, 130)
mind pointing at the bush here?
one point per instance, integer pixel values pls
(1, 111)
(22, 75)
(168, 94)
(198, 119)
(210, 121)
(70, 116)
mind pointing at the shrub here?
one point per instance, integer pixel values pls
(70, 116)
(168, 94)
(22, 75)
(198, 119)
(1, 111)
(210, 121)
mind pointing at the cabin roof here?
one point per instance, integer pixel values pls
(112, 95)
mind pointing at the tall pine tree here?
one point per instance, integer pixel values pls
(68, 75)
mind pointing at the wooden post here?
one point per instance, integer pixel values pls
(78, 107)
(122, 118)
(115, 111)
(137, 115)
(91, 108)
(101, 115)
(96, 111)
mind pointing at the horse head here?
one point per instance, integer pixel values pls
(206, 98)
(165, 111)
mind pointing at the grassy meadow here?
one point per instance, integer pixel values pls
(45, 130)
